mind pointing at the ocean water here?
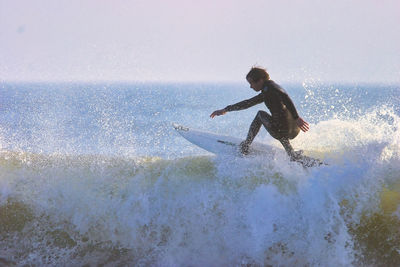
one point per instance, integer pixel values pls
(95, 175)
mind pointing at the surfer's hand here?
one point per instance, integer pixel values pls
(303, 125)
(218, 113)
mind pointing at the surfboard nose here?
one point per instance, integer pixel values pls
(180, 127)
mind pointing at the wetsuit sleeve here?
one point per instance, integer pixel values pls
(289, 105)
(246, 103)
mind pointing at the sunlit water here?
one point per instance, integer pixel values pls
(94, 174)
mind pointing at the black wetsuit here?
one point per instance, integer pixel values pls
(281, 124)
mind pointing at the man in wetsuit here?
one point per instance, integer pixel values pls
(283, 124)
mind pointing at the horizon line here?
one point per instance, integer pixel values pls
(99, 81)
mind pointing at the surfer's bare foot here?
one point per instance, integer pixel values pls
(244, 148)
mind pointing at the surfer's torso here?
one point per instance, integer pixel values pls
(283, 111)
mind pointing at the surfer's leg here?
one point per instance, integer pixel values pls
(262, 118)
(294, 155)
(287, 146)
(255, 126)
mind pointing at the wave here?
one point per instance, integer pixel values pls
(61, 209)
(204, 210)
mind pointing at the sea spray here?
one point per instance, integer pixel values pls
(111, 183)
(189, 211)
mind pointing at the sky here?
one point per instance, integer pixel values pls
(199, 40)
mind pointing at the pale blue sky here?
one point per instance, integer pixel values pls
(199, 40)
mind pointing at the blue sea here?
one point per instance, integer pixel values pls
(93, 174)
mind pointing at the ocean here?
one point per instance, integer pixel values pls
(93, 174)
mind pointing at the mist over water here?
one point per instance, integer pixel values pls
(95, 174)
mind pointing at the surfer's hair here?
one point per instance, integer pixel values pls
(257, 73)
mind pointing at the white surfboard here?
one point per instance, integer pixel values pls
(228, 145)
(221, 144)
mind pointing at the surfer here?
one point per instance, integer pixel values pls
(283, 124)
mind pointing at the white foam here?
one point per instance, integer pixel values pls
(219, 210)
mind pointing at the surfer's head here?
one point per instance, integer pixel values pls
(257, 77)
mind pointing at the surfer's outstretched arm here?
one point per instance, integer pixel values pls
(245, 104)
(239, 106)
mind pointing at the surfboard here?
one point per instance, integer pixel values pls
(228, 145)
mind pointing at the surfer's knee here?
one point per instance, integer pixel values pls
(261, 114)
(266, 120)
(264, 117)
